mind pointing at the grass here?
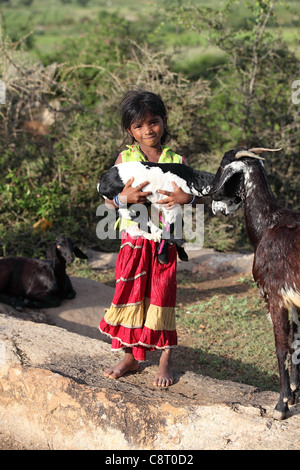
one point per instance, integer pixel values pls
(81, 269)
(232, 339)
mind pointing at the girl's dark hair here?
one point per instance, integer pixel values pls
(135, 104)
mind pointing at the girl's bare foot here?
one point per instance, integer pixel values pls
(164, 376)
(127, 364)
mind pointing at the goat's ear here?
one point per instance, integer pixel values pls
(51, 250)
(227, 172)
(78, 253)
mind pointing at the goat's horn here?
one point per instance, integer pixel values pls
(261, 149)
(247, 153)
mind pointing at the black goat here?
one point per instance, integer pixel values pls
(34, 283)
(275, 235)
(160, 176)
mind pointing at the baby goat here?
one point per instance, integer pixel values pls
(160, 176)
(34, 283)
(275, 235)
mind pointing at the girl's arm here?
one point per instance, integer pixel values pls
(178, 196)
(130, 194)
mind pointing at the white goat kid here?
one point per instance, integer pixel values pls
(160, 176)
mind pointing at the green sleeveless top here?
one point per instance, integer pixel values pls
(134, 154)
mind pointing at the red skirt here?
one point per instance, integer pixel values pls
(142, 313)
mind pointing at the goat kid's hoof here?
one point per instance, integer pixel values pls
(182, 254)
(183, 257)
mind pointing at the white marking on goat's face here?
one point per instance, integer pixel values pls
(226, 206)
(237, 166)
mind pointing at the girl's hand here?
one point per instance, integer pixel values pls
(135, 195)
(178, 196)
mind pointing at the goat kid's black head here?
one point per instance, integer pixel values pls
(227, 186)
(64, 247)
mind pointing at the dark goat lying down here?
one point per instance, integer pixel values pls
(160, 176)
(34, 283)
(274, 232)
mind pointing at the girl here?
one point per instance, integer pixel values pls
(142, 313)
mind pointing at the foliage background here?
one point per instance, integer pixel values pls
(224, 68)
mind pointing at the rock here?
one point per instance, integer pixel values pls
(53, 395)
(208, 261)
(101, 260)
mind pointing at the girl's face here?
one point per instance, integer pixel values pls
(149, 131)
